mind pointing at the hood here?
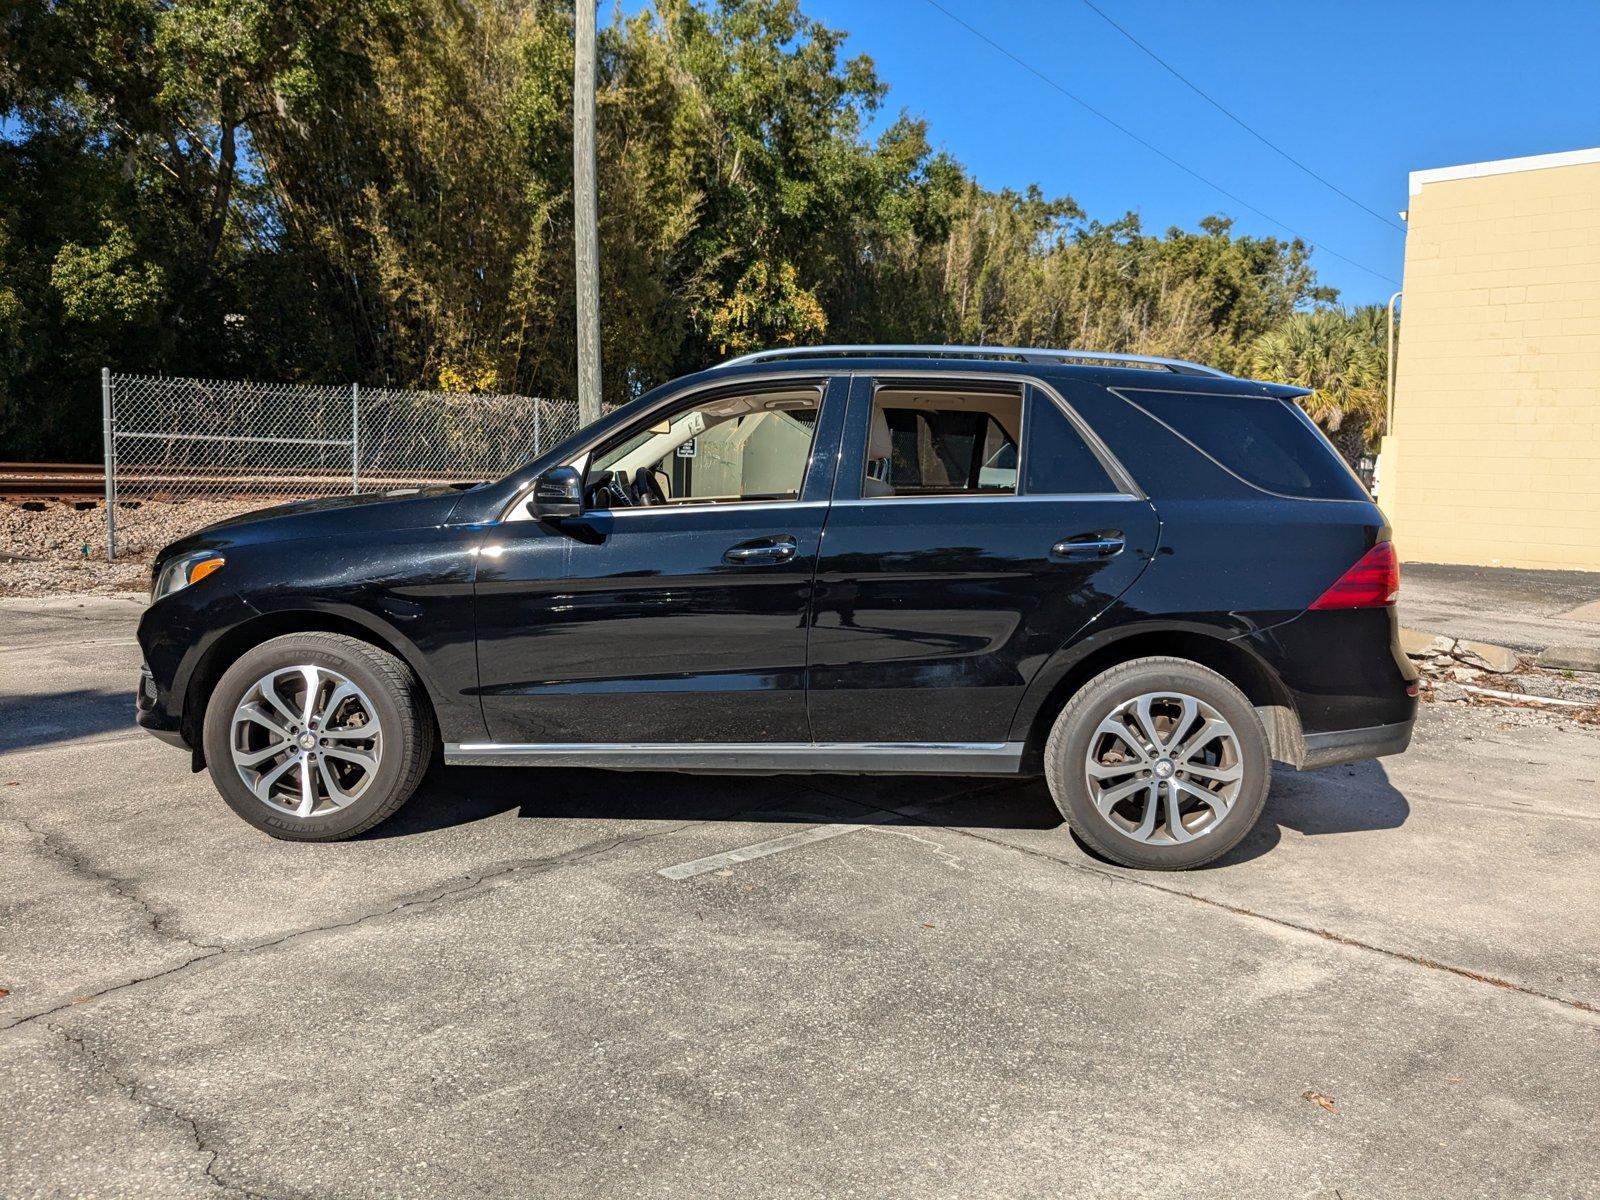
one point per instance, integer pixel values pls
(329, 517)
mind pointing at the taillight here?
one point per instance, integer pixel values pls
(1374, 582)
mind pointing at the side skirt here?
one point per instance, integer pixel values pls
(853, 758)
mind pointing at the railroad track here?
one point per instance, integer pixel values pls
(52, 481)
(87, 481)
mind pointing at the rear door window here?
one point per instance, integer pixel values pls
(938, 451)
(942, 444)
(1265, 442)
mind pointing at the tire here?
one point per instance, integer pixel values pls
(356, 684)
(1232, 765)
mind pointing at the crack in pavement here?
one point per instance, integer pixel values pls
(454, 889)
(142, 1095)
(125, 889)
(1329, 935)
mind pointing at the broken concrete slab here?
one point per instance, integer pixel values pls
(1419, 644)
(1486, 656)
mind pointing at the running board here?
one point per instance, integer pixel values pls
(897, 758)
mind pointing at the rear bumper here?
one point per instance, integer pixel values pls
(1353, 745)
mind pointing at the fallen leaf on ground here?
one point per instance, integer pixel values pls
(1320, 1100)
(5, 992)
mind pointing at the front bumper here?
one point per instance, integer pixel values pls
(1354, 745)
(154, 716)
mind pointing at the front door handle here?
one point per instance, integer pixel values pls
(1090, 545)
(763, 550)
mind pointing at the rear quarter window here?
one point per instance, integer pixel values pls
(1265, 442)
(1058, 462)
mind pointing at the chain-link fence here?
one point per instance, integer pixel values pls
(182, 452)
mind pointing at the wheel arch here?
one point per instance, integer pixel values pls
(1074, 666)
(247, 635)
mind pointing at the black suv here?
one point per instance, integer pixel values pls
(1143, 578)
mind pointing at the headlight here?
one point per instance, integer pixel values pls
(184, 570)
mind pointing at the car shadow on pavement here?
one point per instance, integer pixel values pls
(27, 722)
(1353, 798)
(1343, 799)
(452, 796)
(1333, 800)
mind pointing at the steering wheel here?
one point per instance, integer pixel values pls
(647, 487)
(617, 489)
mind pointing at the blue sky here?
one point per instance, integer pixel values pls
(1362, 92)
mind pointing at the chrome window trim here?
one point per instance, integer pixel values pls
(1050, 497)
(713, 506)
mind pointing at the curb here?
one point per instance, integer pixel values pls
(1570, 658)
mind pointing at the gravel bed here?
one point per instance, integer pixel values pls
(48, 547)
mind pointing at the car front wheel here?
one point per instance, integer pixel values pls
(1159, 763)
(316, 736)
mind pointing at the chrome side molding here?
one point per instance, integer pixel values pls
(851, 758)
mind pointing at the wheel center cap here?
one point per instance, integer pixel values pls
(1164, 768)
(308, 741)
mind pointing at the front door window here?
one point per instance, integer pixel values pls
(731, 449)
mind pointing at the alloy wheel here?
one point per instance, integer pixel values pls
(1164, 768)
(306, 740)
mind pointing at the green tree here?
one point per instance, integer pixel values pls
(1341, 354)
(381, 190)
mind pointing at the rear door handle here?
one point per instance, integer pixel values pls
(762, 550)
(1090, 545)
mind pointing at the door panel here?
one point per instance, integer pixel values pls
(651, 634)
(932, 614)
(663, 624)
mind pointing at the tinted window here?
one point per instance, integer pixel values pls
(1264, 442)
(1058, 461)
(920, 447)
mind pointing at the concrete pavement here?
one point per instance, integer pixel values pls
(1508, 606)
(498, 993)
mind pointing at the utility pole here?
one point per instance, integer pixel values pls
(585, 219)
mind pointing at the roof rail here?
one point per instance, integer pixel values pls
(1035, 354)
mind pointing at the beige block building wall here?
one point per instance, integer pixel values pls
(1494, 457)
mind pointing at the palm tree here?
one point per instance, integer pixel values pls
(1343, 356)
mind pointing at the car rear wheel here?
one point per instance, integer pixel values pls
(316, 736)
(1159, 763)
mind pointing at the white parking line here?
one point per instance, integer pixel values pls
(777, 845)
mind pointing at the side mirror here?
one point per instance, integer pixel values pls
(557, 493)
